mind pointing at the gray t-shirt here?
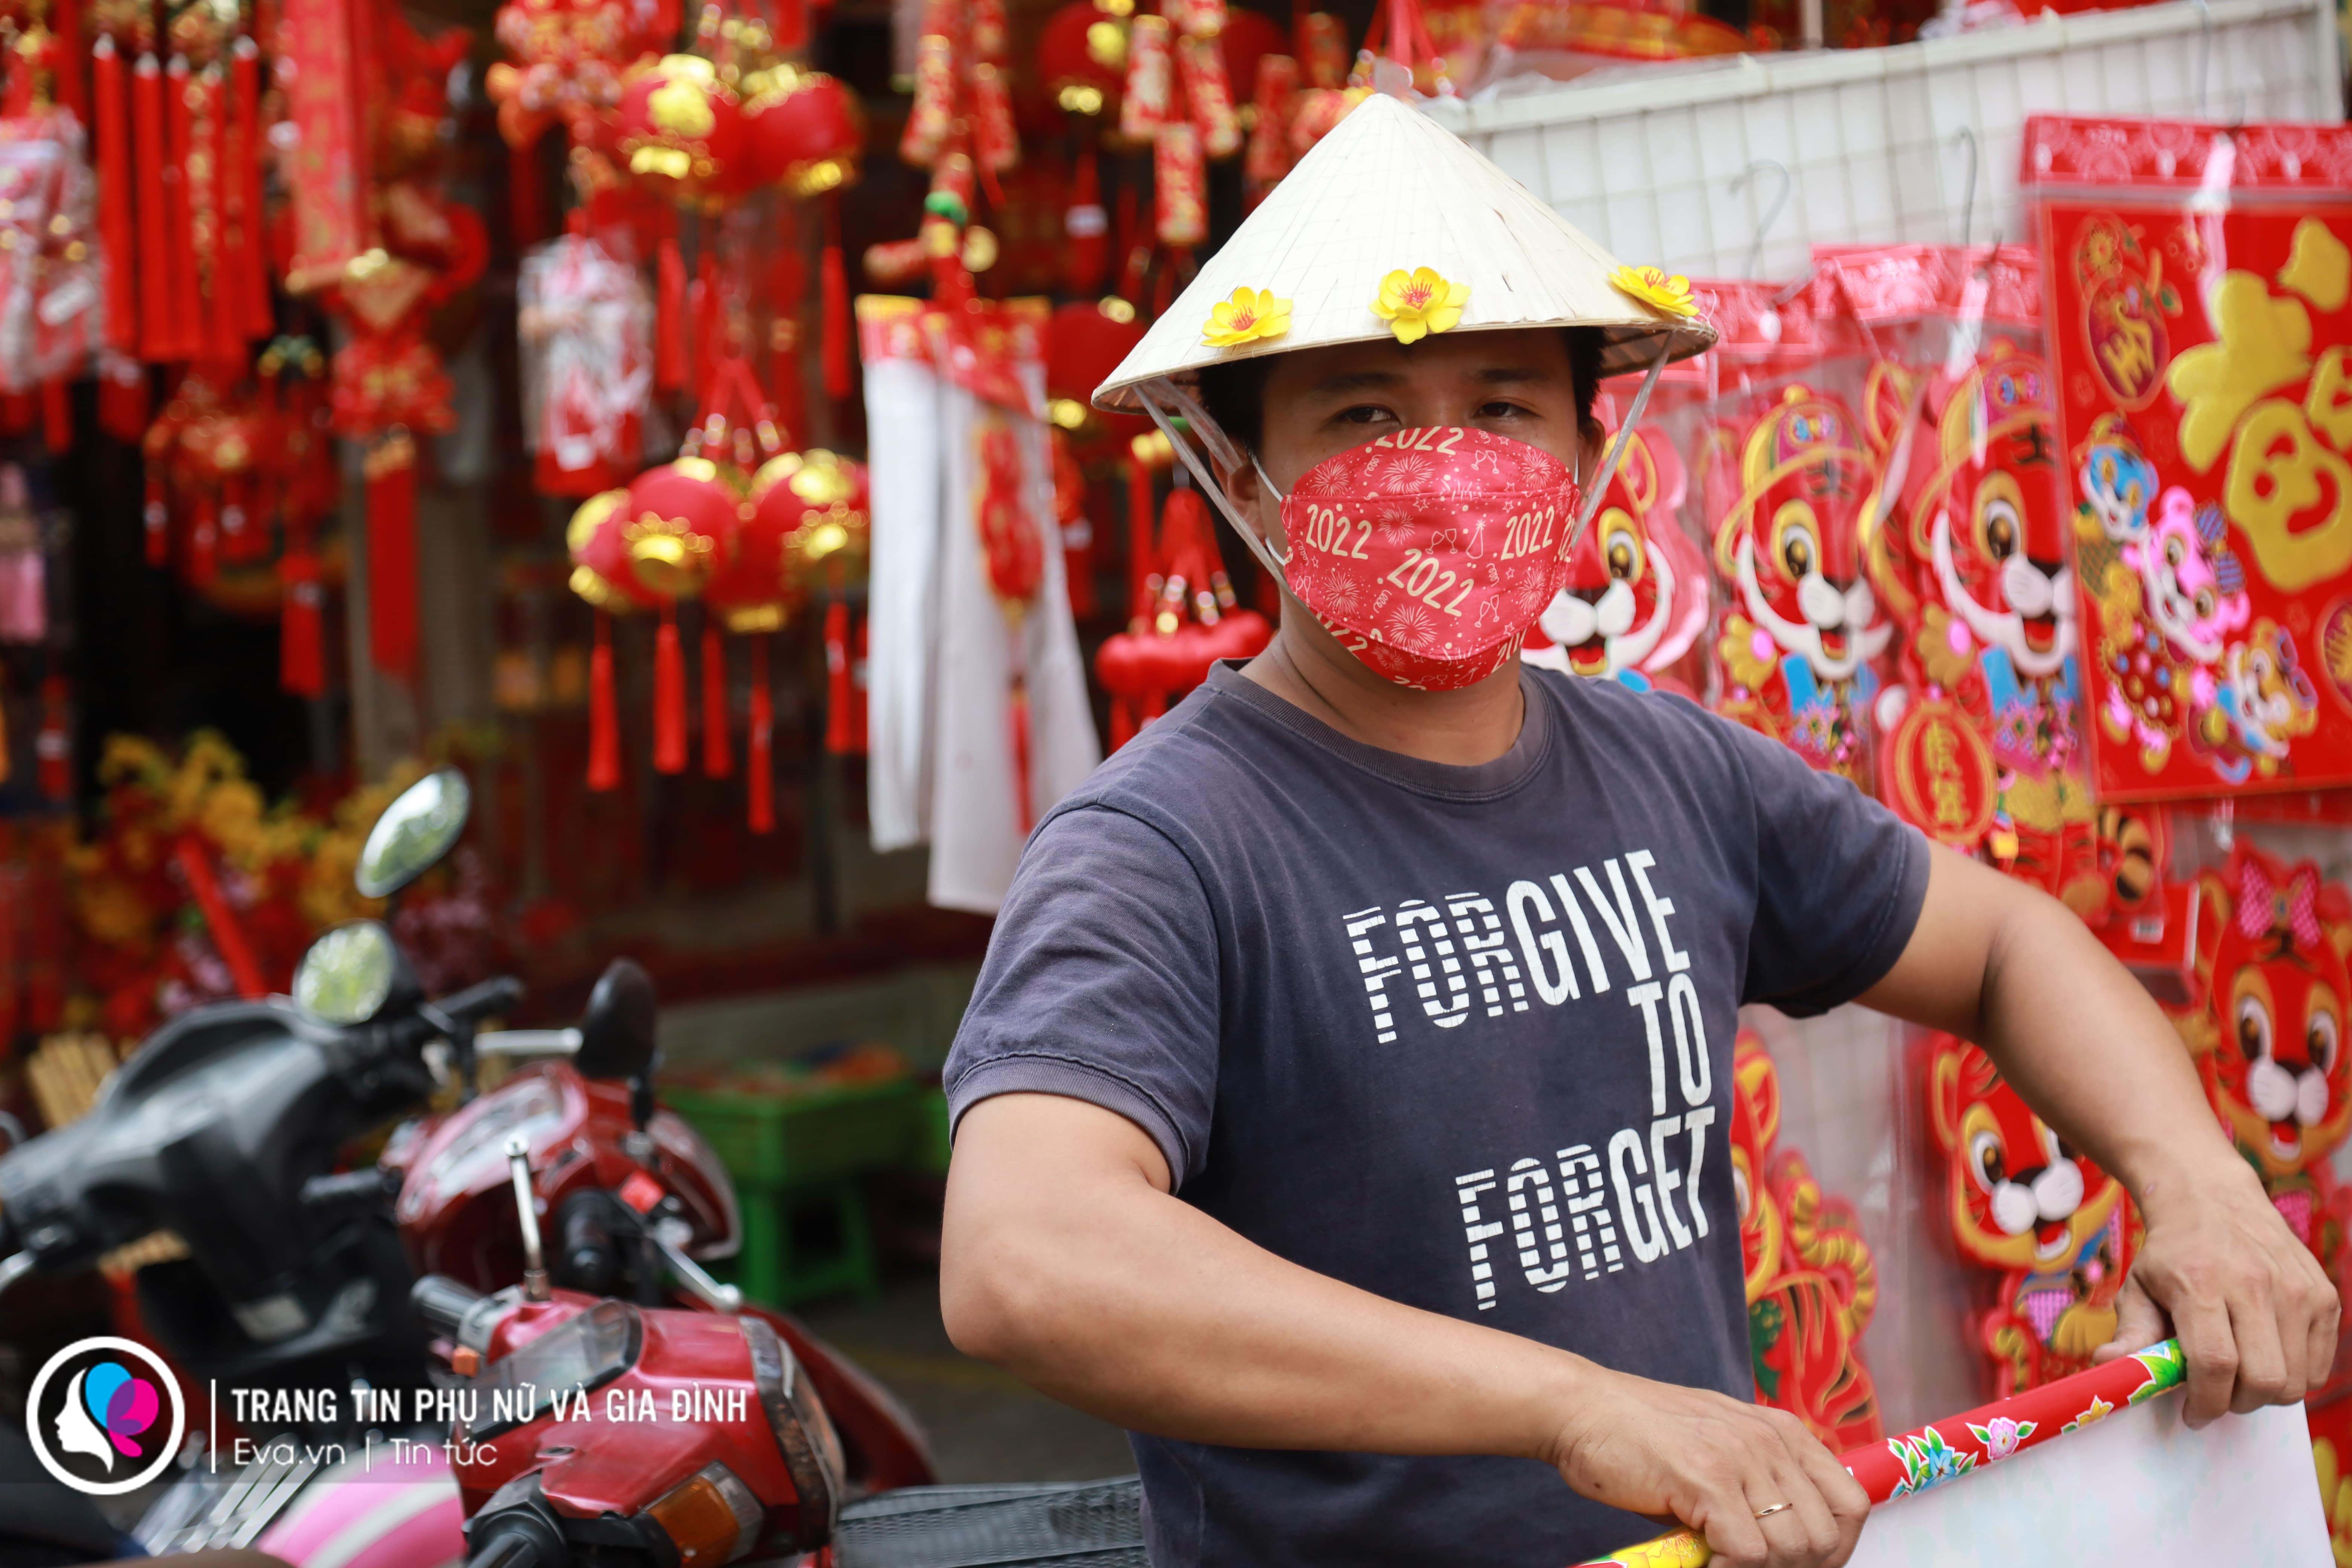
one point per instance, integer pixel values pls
(1459, 1035)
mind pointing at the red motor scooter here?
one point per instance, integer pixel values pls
(600, 1434)
(633, 1200)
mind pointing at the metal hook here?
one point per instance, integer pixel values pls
(1772, 215)
(1967, 137)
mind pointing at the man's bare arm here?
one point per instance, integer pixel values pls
(1066, 1260)
(1996, 962)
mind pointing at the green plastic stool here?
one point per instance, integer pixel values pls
(780, 1265)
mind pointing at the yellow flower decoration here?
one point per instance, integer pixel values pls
(1417, 303)
(1655, 286)
(1250, 314)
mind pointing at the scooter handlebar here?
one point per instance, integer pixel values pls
(511, 1550)
(442, 1304)
(494, 996)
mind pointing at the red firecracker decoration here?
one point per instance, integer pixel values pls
(1185, 620)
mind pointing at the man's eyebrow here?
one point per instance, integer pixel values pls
(1374, 380)
(1357, 381)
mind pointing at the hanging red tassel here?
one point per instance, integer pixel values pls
(66, 85)
(669, 695)
(759, 794)
(839, 738)
(717, 752)
(859, 727)
(669, 310)
(1017, 713)
(703, 307)
(249, 287)
(155, 328)
(56, 416)
(217, 243)
(187, 301)
(604, 712)
(834, 280)
(391, 469)
(301, 618)
(115, 216)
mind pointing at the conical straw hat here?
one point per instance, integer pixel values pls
(1391, 189)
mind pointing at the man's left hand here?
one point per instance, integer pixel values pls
(2255, 1314)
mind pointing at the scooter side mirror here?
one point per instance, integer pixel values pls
(616, 1032)
(422, 825)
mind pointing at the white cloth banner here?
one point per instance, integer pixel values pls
(2138, 1488)
(942, 653)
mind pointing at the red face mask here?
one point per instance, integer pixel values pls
(1430, 553)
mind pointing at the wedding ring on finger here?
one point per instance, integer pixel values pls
(1776, 1508)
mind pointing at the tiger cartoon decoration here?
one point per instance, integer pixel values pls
(2268, 1040)
(1983, 547)
(1804, 626)
(1811, 1282)
(2060, 1231)
(1636, 598)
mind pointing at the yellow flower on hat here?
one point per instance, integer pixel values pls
(1250, 314)
(1418, 302)
(1655, 286)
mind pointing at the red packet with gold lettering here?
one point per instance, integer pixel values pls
(2199, 293)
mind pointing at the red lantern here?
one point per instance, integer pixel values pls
(1082, 55)
(1085, 344)
(1248, 38)
(805, 132)
(816, 504)
(601, 572)
(679, 130)
(677, 514)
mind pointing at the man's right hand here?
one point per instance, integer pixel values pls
(1714, 1464)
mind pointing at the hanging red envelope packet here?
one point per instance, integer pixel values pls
(2198, 292)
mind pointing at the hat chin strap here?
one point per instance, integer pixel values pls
(1181, 403)
(1220, 444)
(1626, 429)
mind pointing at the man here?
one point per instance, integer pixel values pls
(1343, 1107)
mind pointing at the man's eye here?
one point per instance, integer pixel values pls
(1500, 410)
(1365, 414)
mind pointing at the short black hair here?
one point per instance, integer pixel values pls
(1233, 393)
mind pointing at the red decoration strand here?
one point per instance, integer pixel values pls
(835, 282)
(840, 738)
(604, 712)
(115, 215)
(669, 310)
(669, 695)
(187, 302)
(718, 753)
(759, 795)
(155, 329)
(250, 286)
